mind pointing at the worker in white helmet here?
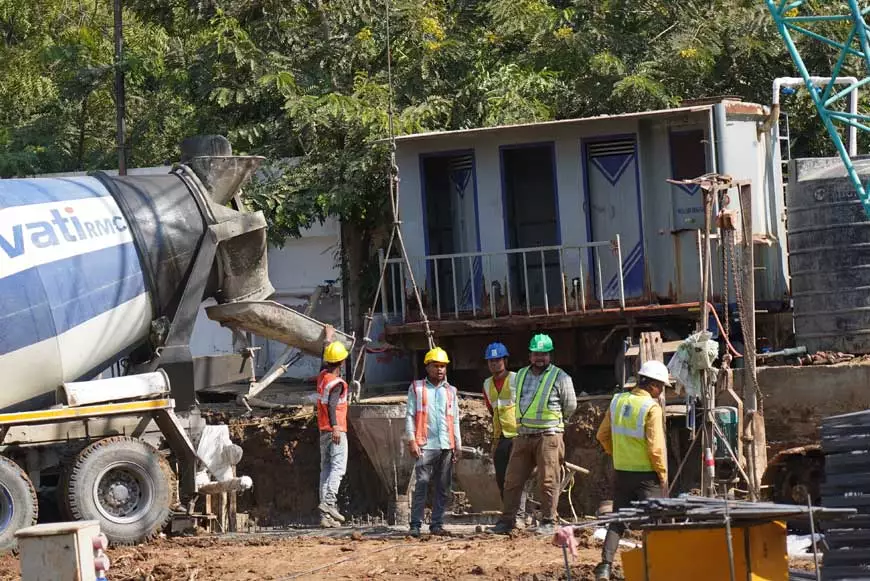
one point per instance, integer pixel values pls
(633, 433)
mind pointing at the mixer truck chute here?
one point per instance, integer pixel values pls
(98, 269)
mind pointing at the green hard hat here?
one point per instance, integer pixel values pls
(541, 343)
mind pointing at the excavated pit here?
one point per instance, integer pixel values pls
(282, 455)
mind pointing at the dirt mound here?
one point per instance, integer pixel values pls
(582, 448)
(282, 456)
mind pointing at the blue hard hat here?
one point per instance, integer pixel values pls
(495, 351)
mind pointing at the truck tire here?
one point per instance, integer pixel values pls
(18, 505)
(125, 484)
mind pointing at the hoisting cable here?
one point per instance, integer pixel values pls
(396, 234)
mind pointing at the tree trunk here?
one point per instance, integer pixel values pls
(83, 122)
(354, 245)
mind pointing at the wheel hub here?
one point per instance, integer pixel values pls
(123, 492)
(118, 495)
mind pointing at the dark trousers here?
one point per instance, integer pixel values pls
(629, 486)
(501, 458)
(437, 464)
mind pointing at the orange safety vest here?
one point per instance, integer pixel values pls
(421, 414)
(325, 384)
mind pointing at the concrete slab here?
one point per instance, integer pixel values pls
(797, 398)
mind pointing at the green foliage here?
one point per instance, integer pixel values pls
(309, 80)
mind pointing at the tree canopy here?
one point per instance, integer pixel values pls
(310, 79)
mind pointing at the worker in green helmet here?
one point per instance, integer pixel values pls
(545, 401)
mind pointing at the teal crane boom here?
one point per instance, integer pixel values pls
(841, 26)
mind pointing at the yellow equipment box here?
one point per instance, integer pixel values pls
(695, 553)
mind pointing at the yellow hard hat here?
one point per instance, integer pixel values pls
(335, 352)
(436, 355)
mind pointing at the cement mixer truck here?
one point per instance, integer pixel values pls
(100, 269)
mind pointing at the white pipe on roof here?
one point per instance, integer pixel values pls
(780, 82)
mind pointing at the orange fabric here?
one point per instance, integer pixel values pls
(326, 382)
(421, 415)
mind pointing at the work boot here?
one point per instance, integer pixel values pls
(414, 531)
(602, 572)
(440, 531)
(327, 522)
(546, 528)
(331, 511)
(502, 528)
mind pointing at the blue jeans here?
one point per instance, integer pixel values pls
(333, 465)
(437, 463)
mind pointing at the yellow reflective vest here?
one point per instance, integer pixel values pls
(504, 403)
(627, 425)
(538, 414)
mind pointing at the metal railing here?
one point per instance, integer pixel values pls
(526, 281)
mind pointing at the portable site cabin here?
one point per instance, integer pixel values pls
(570, 227)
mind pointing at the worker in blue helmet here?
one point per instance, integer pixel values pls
(499, 393)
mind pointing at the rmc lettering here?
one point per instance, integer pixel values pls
(60, 229)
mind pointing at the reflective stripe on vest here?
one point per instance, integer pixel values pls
(538, 414)
(627, 414)
(421, 415)
(503, 408)
(325, 385)
(327, 389)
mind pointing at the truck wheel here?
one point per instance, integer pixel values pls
(125, 484)
(18, 506)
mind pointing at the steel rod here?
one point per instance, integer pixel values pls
(582, 284)
(404, 298)
(508, 285)
(437, 289)
(526, 279)
(705, 281)
(730, 542)
(567, 566)
(564, 281)
(619, 272)
(383, 283)
(682, 465)
(597, 258)
(471, 281)
(813, 537)
(393, 278)
(492, 294)
(455, 292)
(544, 280)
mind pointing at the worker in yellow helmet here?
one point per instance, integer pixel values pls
(632, 432)
(432, 431)
(332, 422)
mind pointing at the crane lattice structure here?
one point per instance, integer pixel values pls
(842, 28)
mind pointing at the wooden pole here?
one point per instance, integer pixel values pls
(120, 93)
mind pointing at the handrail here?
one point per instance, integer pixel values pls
(480, 253)
(474, 279)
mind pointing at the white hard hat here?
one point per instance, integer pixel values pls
(655, 370)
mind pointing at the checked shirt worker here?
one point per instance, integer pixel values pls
(545, 400)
